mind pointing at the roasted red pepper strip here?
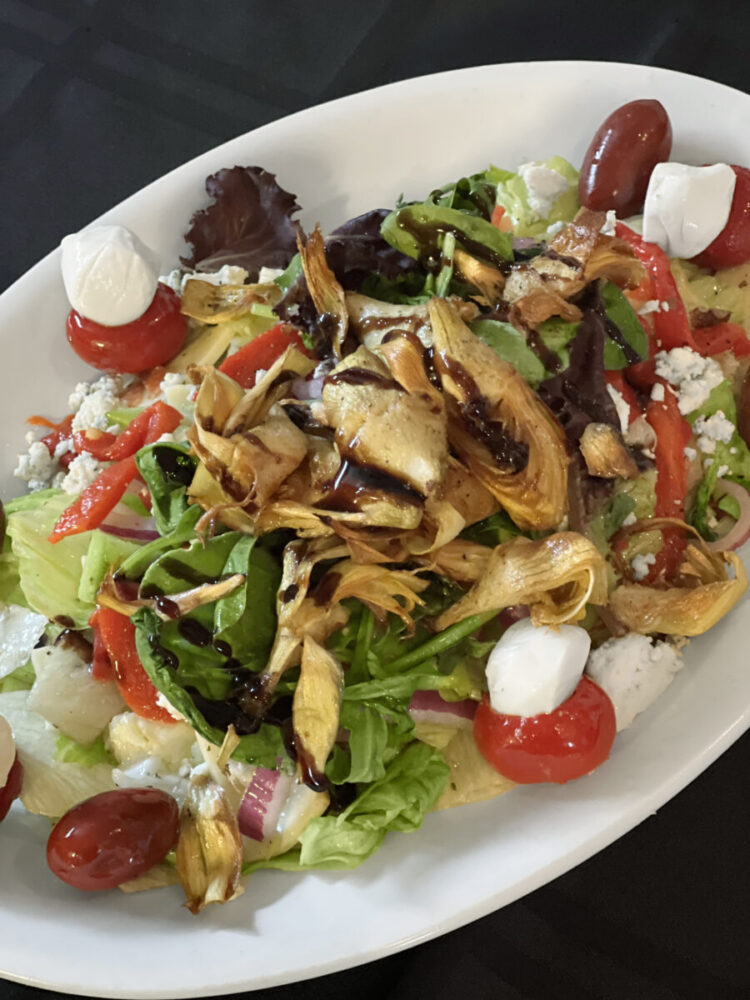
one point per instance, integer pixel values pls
(101, 665)
(671, 327)
(117, 635)
(59, 432)
(261, 353)
(144, 429)
(723, 337)
(96, 501)
(672, 434)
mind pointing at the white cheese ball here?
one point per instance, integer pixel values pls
(110, 276)
(687, 207)
(534, 669)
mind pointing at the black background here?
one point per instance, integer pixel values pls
(98, 98)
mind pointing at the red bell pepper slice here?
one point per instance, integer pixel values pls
(260, 354)
(59, 432)
(671, 327)
(723, 337)
(672, 434)
(97, 500)
(101, 665)
(117, 634)
(144, 429)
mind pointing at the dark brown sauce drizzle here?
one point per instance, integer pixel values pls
(65, 620)
(301, 417)
(310, 774)
(175, 464)
(167, 606)
(71, 639)
(549, 359)
(563, 258)
(194, 633)
(361, 376)
(257, 442)
(327, 588)
(354, 482)
(509, 454)
(222, 648)
(428, 234)
(289, 593)
(161, 651)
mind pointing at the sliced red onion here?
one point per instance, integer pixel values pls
(307, 388)
(125, 523)
(740, 533)
(136, 534)
(262, 802)
(509, 616)
(430, 706)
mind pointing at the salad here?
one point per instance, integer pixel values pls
(354, 528)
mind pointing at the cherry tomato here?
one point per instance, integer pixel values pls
(152, 339)
(732, 246)
(556, 746)
(12, 787)
(113, 837)
(618, 163)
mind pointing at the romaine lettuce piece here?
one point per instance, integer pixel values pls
(49, 574)
(50, 786)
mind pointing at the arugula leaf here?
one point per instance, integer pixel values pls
(474, 195)
(167, 470)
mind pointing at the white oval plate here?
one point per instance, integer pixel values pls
(342, 159)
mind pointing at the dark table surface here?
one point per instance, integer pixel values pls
(98, 98)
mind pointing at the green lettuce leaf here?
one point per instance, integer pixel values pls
(21, 679)
(136, 565)
(513, 196)
(510, 345)
(399, 800)
(69, 751)
(416, 229)
(105, 552)
(622, 314)
(167, 470)
(49, 574)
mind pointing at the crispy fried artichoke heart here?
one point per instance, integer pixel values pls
(499, 427)
(708, 593)
(556, 576)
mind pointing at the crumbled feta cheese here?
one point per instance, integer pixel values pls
(690, 453)
(633, 671)
(622, 407)
(543, 187)
(723, 470)
(165, 439)
(640, 564)
(608, 229)
(693, 375)
(62, 448)
(268, 274)
(630, 519)
(37, 466)
(82, 471)
(657, 392)
(92, 401)
(172, 280)
(716, 427)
